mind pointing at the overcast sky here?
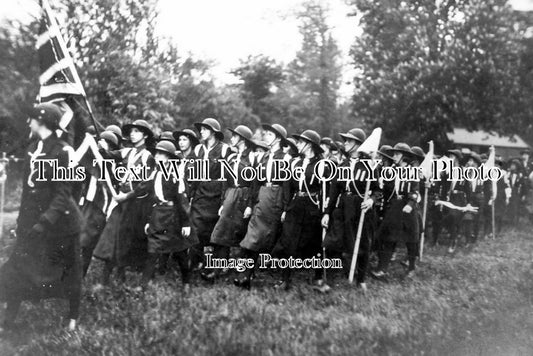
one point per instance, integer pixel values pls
(228, 30)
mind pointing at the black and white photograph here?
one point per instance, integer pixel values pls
(281, 177)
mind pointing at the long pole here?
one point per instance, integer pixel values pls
(91, 115)
(493, 219)
(323, 228)
(3, 178)
(424, 214)
(358, 236)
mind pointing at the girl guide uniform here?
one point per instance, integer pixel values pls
(344, 210)
(401, 221)
(123, 241)
(237, 197)
(166, 219)
(301, 235)
(270, 198)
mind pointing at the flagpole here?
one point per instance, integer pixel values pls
(91, 115)
(358, 236)
(493, 208)
(3, 178)
(323, 228)
(424, 214)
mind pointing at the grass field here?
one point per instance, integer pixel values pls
(476, 302)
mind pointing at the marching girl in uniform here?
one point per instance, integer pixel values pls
(206, 195)
(123, 241)
(269, 198)
(401, 221)
(346, 203)
(95, 202)
(301, 235)
(168, 227)
(236, 206)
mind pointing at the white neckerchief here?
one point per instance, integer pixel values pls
(158, 186)
(236, 167)
(269, 166)
(181, 176)
(305, 163)
(33, 156)
(353, 161)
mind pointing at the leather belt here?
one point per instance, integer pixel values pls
(268, 185)
(165, 203)
(304, 194)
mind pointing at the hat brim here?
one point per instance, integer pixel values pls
(316, 146)
(383, 154)
(456, 153)
(127, 128)
(272, 129)
(194, 140)
(350, 137)
(218, 134)
(171, 155)
(241, 136)
(402, 151)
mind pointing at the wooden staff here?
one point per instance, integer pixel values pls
(358, 236)
(3, 177)
(424, 214)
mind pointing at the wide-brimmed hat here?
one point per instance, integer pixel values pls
(142, 125)
(476, 157)
(116, 131)
(312, 137)
(244, 132)
(47, 114)
(110, 137)
(190, 134)
(515, 161)
(385, 151)
(354, 134)
(456, 153)
(277, 129)
(167, 147)
(327, 141)
(418, 152)
(403, 148)
(212, 125)
(167, 136)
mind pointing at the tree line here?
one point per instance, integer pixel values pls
(421, 68)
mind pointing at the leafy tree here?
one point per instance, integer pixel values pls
(426, 66)
(260, 76)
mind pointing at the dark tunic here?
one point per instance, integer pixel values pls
(206, 195)
(302, 232)
(47, 265)
(94, 203)
(231, 226)
(270, 198)
(167, 217)
(399, 226)
(123, 241)
(344, 209)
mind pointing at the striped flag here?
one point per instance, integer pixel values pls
(59, 77)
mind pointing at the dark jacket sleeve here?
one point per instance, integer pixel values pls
(62, 195)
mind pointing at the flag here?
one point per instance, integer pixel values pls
(491, 163)
(371, 144)
(58, 78)
(427, 163)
